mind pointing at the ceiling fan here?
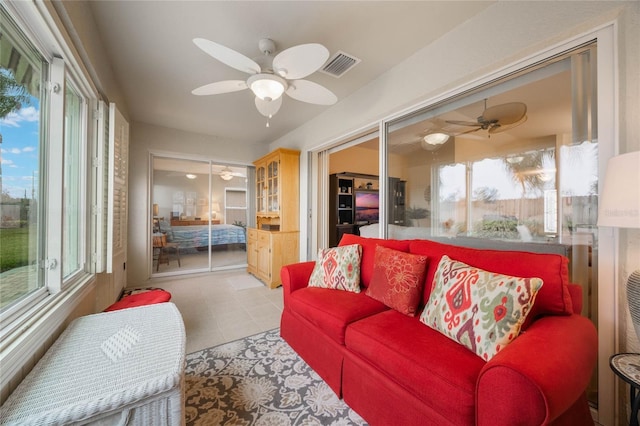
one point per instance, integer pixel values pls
(270, 77)
(226, 173)
(497, 118)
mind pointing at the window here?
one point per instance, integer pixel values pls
(235, 204)
(72, 229)
(44, 205)
(23, 108)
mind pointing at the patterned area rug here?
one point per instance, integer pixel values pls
(259, 380)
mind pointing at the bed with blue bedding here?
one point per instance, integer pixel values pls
(196, 236)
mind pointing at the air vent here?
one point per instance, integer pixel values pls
(339, 64)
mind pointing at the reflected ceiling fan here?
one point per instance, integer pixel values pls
(497, 118)
(226, 173)
(270, 77)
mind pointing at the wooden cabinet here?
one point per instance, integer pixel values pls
(397, 190)
(277, 190)
(341, 207)
(274, 241)
(252, 251)
(354, 200)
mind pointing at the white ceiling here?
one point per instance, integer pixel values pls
(149, 44)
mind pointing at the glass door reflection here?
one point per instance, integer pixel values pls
(196, 225)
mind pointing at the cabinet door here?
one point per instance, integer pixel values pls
(273, 203)
(264, 256)
(261, 189)
(252, 252)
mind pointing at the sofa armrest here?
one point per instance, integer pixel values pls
(539, 375)
(295, 276)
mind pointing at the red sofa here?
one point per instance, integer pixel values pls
(393, 369)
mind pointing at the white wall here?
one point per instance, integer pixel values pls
(147, 139)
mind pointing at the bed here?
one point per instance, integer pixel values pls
(195, 236)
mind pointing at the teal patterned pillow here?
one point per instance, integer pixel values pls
(481, 310)
(338, 268)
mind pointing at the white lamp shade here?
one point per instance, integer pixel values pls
(619, 204)
(268, 108)
(267, 86)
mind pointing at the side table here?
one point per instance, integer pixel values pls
(627, 367)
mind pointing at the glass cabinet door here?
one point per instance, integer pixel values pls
(261, 190)
(273, 187)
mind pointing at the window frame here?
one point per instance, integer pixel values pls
(38, 29)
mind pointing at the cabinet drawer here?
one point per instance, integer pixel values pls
(263, 237)
(252, 234)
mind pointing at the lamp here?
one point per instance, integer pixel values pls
(156, 210)
(215, 208)
(619, 207)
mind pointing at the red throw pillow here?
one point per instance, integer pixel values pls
(398, 279)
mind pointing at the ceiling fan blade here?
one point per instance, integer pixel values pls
(469, 131)
(268, 108)
(313, 93)
(463, 123)
(219, 87)
(300, 61)
(499, 128)
(505, 114)
(228, 56)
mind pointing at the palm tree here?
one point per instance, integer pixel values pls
(527, 172)
(12, 96)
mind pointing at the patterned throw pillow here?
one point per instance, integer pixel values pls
(338, 268)
(398, 279)
(479, 309)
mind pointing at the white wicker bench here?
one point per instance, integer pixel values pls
(120, 367)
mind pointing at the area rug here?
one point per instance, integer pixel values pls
(244, 282)
(259, 380)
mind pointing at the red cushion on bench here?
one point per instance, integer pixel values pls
(145, 298)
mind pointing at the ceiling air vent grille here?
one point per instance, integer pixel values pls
(339, 64)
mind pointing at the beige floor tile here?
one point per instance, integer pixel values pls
(214, 312)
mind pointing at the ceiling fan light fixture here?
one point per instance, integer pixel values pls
(267, 87)
(516, 159)
(191, 176)
(437, 138)
(226, 174)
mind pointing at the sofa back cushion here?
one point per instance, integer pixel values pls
(553, 297)
(369, 252)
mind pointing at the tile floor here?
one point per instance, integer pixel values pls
(216, 309)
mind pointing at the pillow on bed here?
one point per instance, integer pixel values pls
(165, 228)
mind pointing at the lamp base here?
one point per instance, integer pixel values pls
(633, 299)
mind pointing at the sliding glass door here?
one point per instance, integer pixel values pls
(198, 216)
(512, 165)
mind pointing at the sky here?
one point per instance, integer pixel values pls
(19, 151)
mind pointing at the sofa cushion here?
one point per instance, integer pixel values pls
(332, 310)
(369, 252)
(553, 298)
(398, 279)
(435, 369)
(338, 268)
(481, 310)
